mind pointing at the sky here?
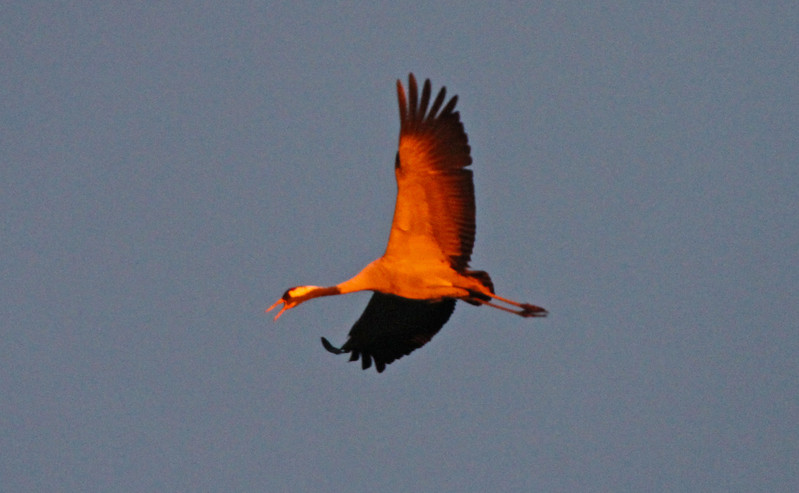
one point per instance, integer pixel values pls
(167, 171)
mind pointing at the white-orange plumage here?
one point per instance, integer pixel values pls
(425, 267)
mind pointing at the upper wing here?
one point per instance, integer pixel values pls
(434, 213)
(392, 327)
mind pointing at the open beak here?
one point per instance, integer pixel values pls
(285, 306)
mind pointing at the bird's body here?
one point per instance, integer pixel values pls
(425, 266)
(425, 279)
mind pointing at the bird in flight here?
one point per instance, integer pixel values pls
(425, 268)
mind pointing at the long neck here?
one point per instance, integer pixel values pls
(317, 292)
(328, 291)
(372, 277)
(299, 294)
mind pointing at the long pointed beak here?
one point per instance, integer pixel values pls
(281, 310)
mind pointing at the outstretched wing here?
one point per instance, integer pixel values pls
(392, 327)
(434, 212)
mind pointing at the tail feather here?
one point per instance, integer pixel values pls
(483, 278)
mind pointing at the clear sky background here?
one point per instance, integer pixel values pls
(168, 171)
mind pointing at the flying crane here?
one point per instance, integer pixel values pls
(425, 268)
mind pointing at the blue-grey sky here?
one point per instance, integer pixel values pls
(168, 171)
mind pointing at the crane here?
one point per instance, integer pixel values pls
(425, 268)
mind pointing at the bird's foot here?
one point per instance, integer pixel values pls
(532, 311)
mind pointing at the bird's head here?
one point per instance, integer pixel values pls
(293, 297)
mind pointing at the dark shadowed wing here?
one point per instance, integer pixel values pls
(392, 327)
(435, 193)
